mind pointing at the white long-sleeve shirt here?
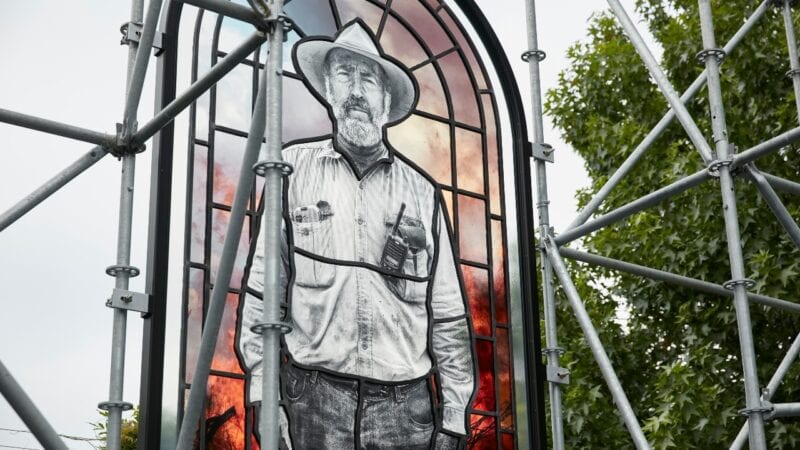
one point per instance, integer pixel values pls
(349, 315)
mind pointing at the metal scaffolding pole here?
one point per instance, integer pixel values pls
(28, 412)
(229, 9)
(122, 271)
(757, 151)
(775, 204)
(772, 387)
(662, 125)
(668, 277)
(57, 128)
(52, 185)
(596, 345)
(782, 185)
(635, 206)
(211, 326)
(791, 43)
(273, 169)
(534, 57)
(695, 135)
(139, 69)
(754, 410)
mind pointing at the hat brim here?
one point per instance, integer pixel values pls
(309, 59)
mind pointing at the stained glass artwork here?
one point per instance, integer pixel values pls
(452, 135)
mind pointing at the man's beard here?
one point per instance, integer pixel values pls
(357, 131)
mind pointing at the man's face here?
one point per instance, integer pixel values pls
(355, 89)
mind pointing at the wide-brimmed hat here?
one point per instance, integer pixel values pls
(309, 57)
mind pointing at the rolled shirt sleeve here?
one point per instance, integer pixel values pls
(451, 343)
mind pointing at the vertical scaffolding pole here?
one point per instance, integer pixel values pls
(791, 43)
(754, 410)
(273, 170)
(534, 56)
(230, 247)
(122, 271)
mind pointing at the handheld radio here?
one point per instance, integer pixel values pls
(396, 248)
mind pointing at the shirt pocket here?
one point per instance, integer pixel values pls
(415, 263)
(313, 237)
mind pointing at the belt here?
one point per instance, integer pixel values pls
(368, 388)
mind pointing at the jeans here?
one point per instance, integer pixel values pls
(327, 412)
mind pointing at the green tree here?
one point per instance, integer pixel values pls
(678, 351)
(128, 432)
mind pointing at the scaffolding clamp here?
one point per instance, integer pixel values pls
(124, 144)
(283, 327)
(558, 375)
(746, 282)
(792, 73)
(132, 301)
(718, 53)
(539, 55)
(261, 167)
(132, 32)
(765, 409)
(541, 151)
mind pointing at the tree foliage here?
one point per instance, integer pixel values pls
(677, 352)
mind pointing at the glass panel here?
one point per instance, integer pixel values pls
(235, 98)
(194, 320)
(198, 207)
(399, 43)
(369, 13)
(469, 160)
(472, 228)
(225, 359)
(466, 48)
(204, 42)
(504, 379)
(424, 23)
(431, 92)
(224, 427)
(232, 33)
(228, 155)
(476, 283)
(219, 225)
(499, 273)
(508, 441)
(314, 17)
(493, 154)
(484, 433)
(303, 115)
(426, 143)
(201, 113)
(448, 200)
(485, 400)
(462, 93)
(287, 65)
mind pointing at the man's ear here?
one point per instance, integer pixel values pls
(387, 101)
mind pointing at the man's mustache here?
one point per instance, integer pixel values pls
(357, 103)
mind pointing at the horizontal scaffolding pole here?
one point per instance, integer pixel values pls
(663, 124)
(199, 87)
(784, 410)
(596, 345)
(51, 186)
(775, 204)
(668, 277)
(772, 387)
(229, 9)
(689, 125)
(28, 412)
(782, 184)
(633, 207)
(57, 128)
(778, 142)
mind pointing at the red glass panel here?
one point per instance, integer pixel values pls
(499, 273)
(507, 441)
(504, 379)
(448, 200)
(219, 226)
(485, 399)
(399, 43)
(476, 282)
(431, 97)
(369, 13)
(469, 160)
(462, 93)
(472, 228)
(493, 154)
(225, 414)
(235, 98)
(465, 46)
(228, 154)
(198, 214)
(194, 320)
(424, 23)
(427, 143)
(225, 359)
(303, 115)
(484, 433)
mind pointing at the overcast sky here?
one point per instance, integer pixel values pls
(62, 60)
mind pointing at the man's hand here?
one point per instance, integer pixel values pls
(447, 442)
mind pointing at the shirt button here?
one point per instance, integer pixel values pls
(360, 221)
(364, 346)
(361, 186)
(361, 259)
